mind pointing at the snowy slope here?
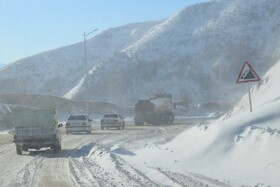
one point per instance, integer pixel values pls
(55, 72)
(242, 149)
(196, 54)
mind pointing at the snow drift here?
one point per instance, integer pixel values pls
(242, 148)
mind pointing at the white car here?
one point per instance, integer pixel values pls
(112, 120)
(78, 123)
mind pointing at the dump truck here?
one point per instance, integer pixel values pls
(157, 110)
(36, 129)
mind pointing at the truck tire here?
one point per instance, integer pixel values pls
(56, 149)
(59, 147)
(19, 150)
(24, 148)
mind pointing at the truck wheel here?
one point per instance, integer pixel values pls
(24, 148)
(59, 145)
(102, 128)
(19, 150)
(56, 149)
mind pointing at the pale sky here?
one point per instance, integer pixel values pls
(28, 27)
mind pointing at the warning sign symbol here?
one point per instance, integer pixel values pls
(247, 74)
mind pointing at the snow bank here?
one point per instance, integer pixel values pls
(242, 149)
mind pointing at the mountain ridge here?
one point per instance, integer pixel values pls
(195, 55)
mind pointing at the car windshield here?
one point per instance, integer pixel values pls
(110, 115)
(78, 117)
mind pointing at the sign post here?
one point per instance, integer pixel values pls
(248, 74)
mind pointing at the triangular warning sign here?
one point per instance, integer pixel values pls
(247, 74)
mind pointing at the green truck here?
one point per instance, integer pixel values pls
(36, 129)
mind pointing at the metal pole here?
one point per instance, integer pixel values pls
(250, 100)
(86, 67)
(86, 71)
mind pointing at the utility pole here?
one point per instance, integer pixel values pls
(86, 66)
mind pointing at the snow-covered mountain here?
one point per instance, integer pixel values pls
(57, 71)
(196, 55)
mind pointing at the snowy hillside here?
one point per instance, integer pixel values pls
(57, 71)
(264, 93)
(196, 55)
(242, 150)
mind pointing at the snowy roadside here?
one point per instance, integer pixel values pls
(4, 132)
(240, 149)
(5, 137)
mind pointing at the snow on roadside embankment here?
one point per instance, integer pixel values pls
(243, 148)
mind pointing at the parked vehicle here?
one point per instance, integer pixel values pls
(157, 110)
(35, 129)
(112, 120)
(78, 123)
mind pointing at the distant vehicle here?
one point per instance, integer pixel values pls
(157, 110)
(78, 123)
(112, 120)
(35, 129)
